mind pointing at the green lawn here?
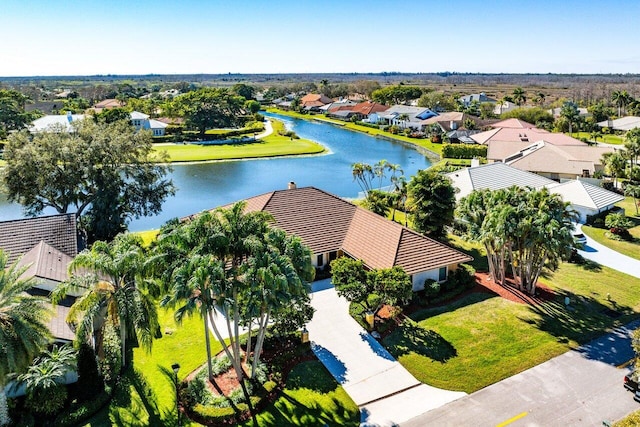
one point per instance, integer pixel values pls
(609, 139)
(273, 145)
(480, 339)
(435, 149)
(147, 396)
(631, 248)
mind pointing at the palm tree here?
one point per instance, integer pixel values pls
(615, 165)
(23, 327)
(621, 98)
(118, 292)
(519, 96)
(571, 113)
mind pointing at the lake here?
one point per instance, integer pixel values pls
(207, 185)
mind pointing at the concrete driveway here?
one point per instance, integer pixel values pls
(582, 387)
(601, 254)
(385, 391)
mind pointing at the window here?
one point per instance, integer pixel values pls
(442, 274)
(320, 260)
(585, 173)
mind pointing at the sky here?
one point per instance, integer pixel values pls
(89, 37)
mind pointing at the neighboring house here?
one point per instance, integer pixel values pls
(510, 135)
(622, 124)
(582, 112)
(142, 121)
(56, 123)
(556, 162)
(348, 109)
(505, 107)
(47, 245)
(107, 104)
(479, 98)
(332, 227)
(313, 101)
(449, 121)
(585, 198)
(403, 116)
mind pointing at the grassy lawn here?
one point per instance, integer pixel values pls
(480, 339)
(423, 143)
(609, 139)
(147, 394)
(631, 248)
(273, 145)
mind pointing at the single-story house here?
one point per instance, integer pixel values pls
(479, 98)
(505, 107)
(314, 101)
(556, 112)
(46, 245)
(107, 104)
(622, 124)
(403, 116)
(333, 227)
(585, 198)
(56, 122)
(513, 135)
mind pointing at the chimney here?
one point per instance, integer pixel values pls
(292, 185)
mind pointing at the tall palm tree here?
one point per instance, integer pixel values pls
(118, 292)
(23, 328)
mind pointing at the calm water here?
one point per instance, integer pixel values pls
(204, 186)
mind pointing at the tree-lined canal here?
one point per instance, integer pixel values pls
(207, 185)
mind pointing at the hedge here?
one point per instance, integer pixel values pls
(74, 416)
(463, 151)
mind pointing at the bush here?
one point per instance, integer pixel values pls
(269, 386)
(76, 414)
(465, 276)
(195, 393)
(213, 414)
(431, 288)
(47, 401)
(111, 364)
(463, 151)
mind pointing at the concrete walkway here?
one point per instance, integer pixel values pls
(601, 254)
(385, 391)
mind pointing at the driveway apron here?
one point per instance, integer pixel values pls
(385, 391)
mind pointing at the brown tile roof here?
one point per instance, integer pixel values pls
(368, 107)
(315, 99)
(109, 103)
(19, 236)
(328, 223)
(46, 263)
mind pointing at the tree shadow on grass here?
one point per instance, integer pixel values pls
(584, 319)
(470, 299)
(411, 337)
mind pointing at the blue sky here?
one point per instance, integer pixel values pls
(55, 37)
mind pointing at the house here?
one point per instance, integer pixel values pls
(347, 109)
(403, 116)
(505, 107)
(479, 98)
(314, 101)
(107, 104)
(585, 198)
(582, 112)
(46, 245)
(332, 227)
(514, 135)
(55, 123)
(621, 124)
(142, 121)
(449, 121)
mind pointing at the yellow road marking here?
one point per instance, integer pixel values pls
(625, 364)
(510, 420)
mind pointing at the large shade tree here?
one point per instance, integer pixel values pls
(106, 173)
(119, 292)
(431, 199)
(23, 325)
(208, 108)
(523, 231)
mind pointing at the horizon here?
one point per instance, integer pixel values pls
(95, 38)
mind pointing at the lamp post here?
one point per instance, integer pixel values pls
(176, 368)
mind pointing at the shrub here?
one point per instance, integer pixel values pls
(90, 382)
(465, 276)
(269, 386)
(76, 414)
(195, 392)
(463, 151)
(111, 364)
(431, 288)
(47, 401)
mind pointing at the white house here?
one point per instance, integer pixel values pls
(55, 123)
(142, 121)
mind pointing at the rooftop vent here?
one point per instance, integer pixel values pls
(292, 185)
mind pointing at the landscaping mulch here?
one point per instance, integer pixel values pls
(484, 283)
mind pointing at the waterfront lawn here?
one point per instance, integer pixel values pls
(629, 248)
(423, 143)
(274, 145)
(608, 138)
(481, 339)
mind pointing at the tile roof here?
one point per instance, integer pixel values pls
(513, 124)
(19, 236)
(51, 122)
(109, 103)
(368, 107)
(328, 223)
(623, 123)
(46, 262)
(526, 135)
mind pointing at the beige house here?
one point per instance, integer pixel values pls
(332, 227)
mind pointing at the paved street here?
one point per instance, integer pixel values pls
(579, 388)
(385, 391)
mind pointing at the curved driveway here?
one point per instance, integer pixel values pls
(601, 254)
(386, 393)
